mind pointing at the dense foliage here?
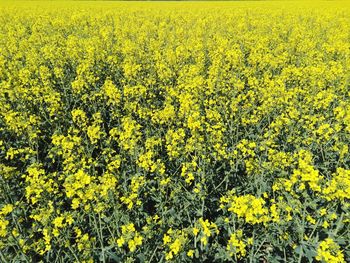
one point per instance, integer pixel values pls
(152, 132)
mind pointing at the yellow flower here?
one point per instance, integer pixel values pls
(166, 239)
(94, 133)
(8, 208)
(195, 231)
(132, 245)
(58, 222)
(190, 253)
(329, 251)
(120, 241)
(236, 246)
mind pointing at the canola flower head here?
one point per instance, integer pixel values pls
(329, 251)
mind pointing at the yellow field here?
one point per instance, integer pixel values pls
(175, 131)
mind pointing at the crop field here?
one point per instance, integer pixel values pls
(175, 131)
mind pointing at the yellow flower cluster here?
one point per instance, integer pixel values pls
(236, 246)
(131, 199)
(248, 207)
(328, 251)
(174, 240)
(130, 236)
(205, 230)
(7, 209)
(339, 186)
